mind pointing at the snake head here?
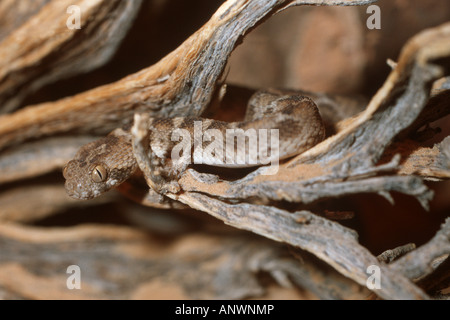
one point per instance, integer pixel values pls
(99, 166)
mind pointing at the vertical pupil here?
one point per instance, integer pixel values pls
(99, 173)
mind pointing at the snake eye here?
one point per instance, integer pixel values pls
(99, 174)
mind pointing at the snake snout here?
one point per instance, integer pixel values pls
(76, 191)
(76, 186)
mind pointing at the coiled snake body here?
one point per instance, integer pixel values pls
(103, 164)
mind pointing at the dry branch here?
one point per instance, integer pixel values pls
(40, 200)
(419, 263)
(13, 14)
(36, 158)
(327, 240)
(122, 263)
(44, 49)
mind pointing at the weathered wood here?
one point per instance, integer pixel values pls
(37, 158)
(43, 49)
(27, 204)
(13, 14)
(123, 263)
(327, 240)
(420, 263)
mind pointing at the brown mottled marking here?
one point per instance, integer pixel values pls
(107, 162)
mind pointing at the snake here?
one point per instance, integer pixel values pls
(106, 163)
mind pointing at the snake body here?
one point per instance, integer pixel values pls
(103, 164)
